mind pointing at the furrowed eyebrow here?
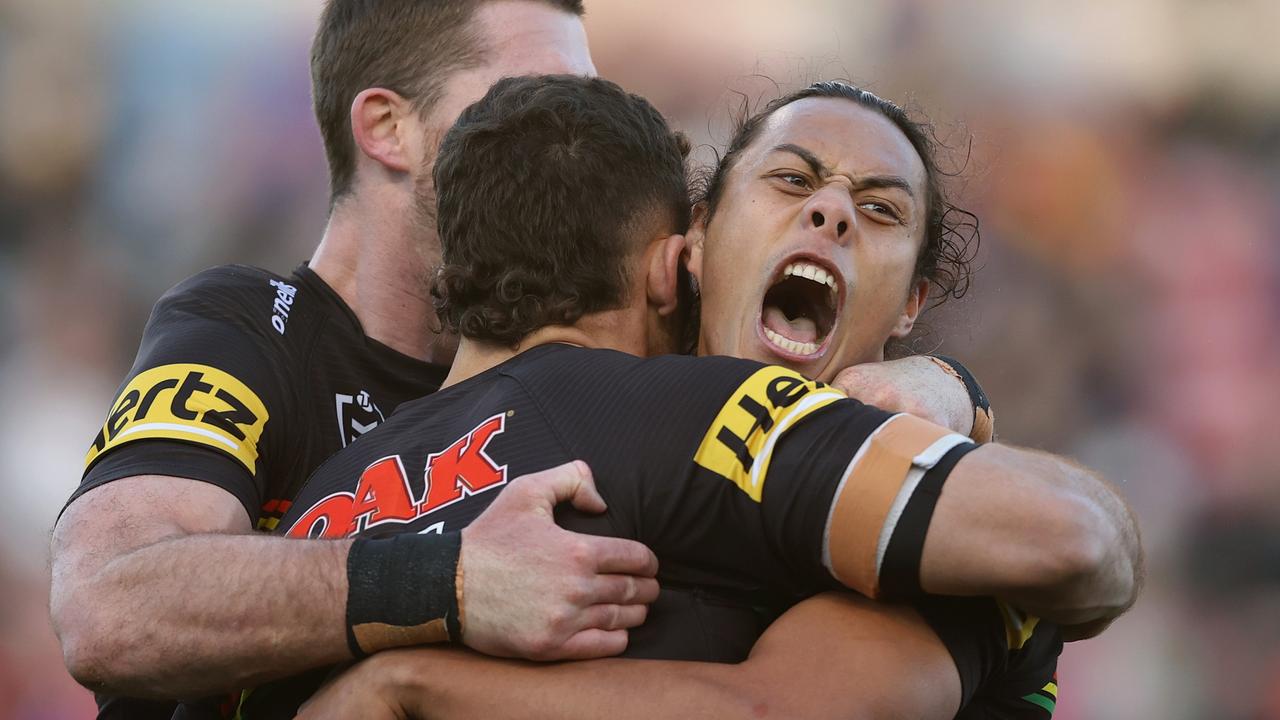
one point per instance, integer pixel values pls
(883, 181)
(863, 183)
(807, 156)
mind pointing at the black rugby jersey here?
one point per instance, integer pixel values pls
(726, 468)
(247, 380)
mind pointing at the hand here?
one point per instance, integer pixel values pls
(360, 691)
(914, 385)
(534, 590)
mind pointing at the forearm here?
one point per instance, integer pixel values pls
(441, 684)
(1036, 530)
(202, 614)
(833, 656)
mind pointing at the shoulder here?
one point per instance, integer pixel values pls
(227, 285)
(559, 367)
(236, 303)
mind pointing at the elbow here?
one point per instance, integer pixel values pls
(94, 652)
(84, 648)
(1089, 567)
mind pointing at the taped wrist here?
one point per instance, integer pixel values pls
(403, 590)
(883, 506)
(983, 417)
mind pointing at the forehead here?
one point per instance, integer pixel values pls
(526, 37)
(521, 37)
(847, 137)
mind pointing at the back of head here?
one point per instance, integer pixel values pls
(546, 188)
(408, 46)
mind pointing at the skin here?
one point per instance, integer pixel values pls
(127, 629)
(767, 217)
(1025, 526)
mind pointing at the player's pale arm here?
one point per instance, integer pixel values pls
(161, 590)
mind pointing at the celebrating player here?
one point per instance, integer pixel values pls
(752, 483)
(247, 380)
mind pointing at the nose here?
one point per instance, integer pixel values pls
(829, 212)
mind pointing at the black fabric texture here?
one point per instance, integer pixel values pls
(900, 568)
(403, 580)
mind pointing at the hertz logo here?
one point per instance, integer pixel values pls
(740, 442)
(195, 403)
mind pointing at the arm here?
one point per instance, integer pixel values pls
(1036, 530)
(830, 657)
(846, 491)
(917, 385)
(185, 603)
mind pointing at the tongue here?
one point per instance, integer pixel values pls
(800, 329)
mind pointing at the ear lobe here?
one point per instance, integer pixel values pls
(916, 298)
(378, 127)
(662, 282)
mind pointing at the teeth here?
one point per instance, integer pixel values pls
(793, 346)
(809, 271)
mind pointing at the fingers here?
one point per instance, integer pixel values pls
(624, 589)
(614, 617)
(593, 643)
(585, 497)
(625, 557)
(571, 482)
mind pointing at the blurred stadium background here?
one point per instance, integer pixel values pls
(1125, 164)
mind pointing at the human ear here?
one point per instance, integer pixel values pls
(662, 282)
(916, 298)
(379, 127)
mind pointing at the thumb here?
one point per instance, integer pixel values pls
(571, 482)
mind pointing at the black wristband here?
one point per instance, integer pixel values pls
(403, 590)
(983, 419)
(900, 570)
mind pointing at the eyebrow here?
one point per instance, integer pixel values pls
(862, 183)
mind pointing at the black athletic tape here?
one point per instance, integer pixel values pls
(983, 418)
(900, 569)
(976, 394)
(403, 582)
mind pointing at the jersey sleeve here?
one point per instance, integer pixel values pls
(207, 391)
(844, 491)
(757, 473)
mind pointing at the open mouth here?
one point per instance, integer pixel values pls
(800, 310)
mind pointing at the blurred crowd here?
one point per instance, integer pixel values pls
(1124, 159)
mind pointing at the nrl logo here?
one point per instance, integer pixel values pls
(357, 415)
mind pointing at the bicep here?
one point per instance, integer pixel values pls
(841, 655)
(130, 513)
(999, 523)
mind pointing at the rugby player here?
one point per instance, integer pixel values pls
(246, 380)
(752, 477)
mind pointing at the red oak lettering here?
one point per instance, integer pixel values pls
(383, 493)
(463, 466)
(329, 518)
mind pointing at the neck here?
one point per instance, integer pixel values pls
(379, 263)
(621, 330)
